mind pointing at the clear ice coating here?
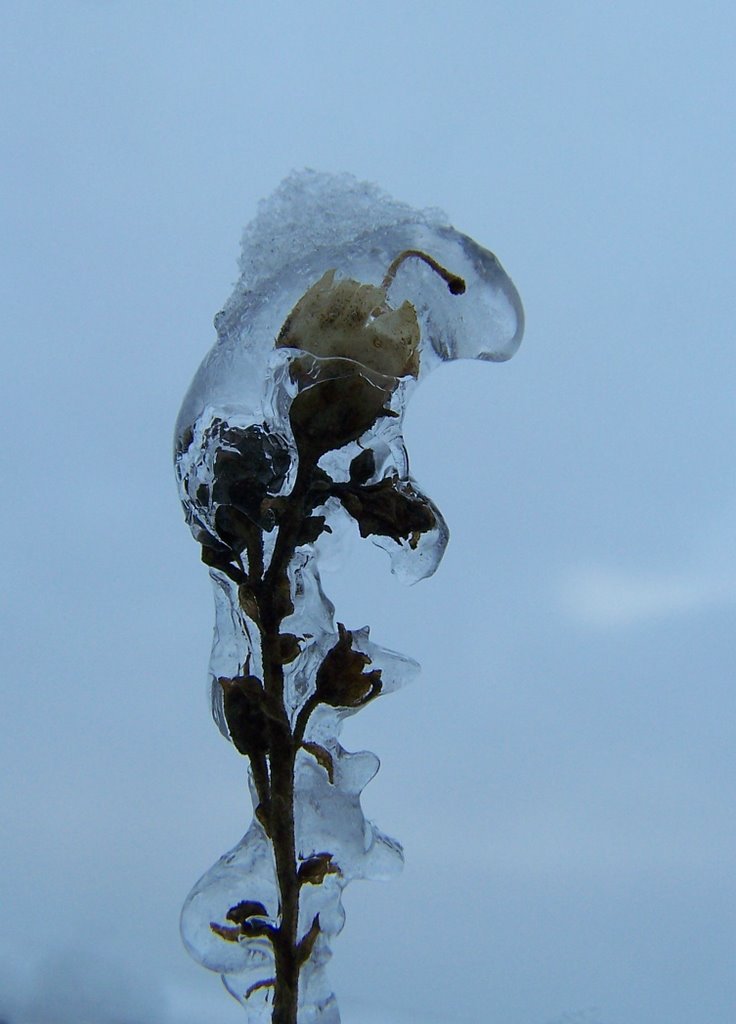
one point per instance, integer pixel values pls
(292, 427)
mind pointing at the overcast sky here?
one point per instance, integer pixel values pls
(562, 773)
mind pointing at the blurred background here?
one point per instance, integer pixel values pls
(562, 774)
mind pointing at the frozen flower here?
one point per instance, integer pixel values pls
(350, 320)
(362, 347)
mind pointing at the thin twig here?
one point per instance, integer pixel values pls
(455, 283)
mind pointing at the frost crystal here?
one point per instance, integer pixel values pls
(293, 424)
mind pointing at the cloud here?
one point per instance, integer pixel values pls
(611, 597)
(79, 987)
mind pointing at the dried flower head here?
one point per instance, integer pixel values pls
(350, 320)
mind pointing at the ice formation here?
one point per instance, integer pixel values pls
(291, 426)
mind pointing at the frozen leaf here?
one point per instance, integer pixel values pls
(341, 680)
(250, 463)
(312, 527)
(245, 714)
(249, 603)
(235, 527)
(307, 944)
(219, 556)
(389, 509)
(314, 870)
(248, 918)
(362, 467)
(257, 985)
(287, 648)
(324, 757)
(246, 909)
(227, 933)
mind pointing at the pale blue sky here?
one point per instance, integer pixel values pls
(562, 774)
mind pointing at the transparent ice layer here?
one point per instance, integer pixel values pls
(291, 428)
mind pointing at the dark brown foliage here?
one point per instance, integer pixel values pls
(244, 703)
(362, 467)
(341, 681)
(244, 910)
(314, 870)
(337, 408)
(389, 508)
(323, 757)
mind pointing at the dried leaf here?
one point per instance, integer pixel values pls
(390, 508)
(247, 920)
(321, 482)
(236, 528)
(245, 714)
(263, 814)
(214, 553)
(311, 528)
(266, 983)
(305, 947)
(341, 681)
(362, 467)
(251, 463)
(244, 910)
(324, 757)
(314, 870)
(217, 556)
(256, 929)
(228, 934)
(287, 648)
(249, 603)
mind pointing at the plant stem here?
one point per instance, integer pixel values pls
(285, 942)
(283, 747)
(453, 281)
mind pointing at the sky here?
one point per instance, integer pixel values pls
(561, 775)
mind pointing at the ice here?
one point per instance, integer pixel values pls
(292, 432)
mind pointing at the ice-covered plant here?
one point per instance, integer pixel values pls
(292, 427)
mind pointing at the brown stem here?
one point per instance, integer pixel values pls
(254, 548)
(283, 748)
(454, 283)
(295, 511)
(303, 718)
(263, 789)
(286, 991)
